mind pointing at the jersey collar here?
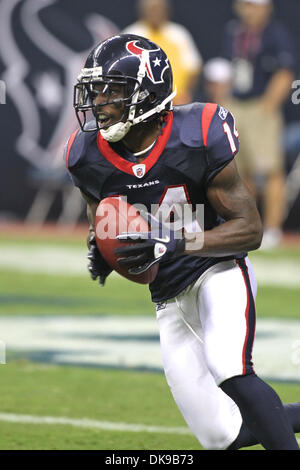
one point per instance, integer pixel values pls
(131, 167)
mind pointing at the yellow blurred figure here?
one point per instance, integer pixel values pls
(175, 40)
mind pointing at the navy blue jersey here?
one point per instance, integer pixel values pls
(267, 51)
(197, 141)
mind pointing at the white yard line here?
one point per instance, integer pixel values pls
(72, 261)
(92, 424)
(44, 259)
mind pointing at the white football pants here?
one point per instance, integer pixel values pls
(206, 336)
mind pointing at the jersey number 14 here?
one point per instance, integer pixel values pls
(230, 138)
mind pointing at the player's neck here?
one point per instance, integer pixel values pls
(140, 140)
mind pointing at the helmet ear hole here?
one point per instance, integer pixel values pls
(152, 97)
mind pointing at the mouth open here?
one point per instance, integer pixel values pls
(103, 120)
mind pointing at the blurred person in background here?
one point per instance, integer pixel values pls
(154, 23)
(217, 81)
(263, 61)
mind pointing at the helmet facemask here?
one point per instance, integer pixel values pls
(87, 89)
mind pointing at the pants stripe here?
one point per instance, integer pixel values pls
(250, 316)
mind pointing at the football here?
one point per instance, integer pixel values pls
(114, 216)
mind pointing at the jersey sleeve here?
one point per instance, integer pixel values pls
(87, 170)
(75, 151)
(72, 156)
(220, 137)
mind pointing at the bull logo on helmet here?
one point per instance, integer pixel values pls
(155, 66)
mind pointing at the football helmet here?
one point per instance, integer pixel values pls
(137, 66)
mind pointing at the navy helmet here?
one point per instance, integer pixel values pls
(143, 70)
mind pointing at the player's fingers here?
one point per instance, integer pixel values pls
(130, 250)
(133, 261)
(132, 236)
(141, 269)
(92, 253)
(93, 275)
(93, 272)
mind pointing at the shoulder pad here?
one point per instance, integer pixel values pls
(194, 123)
(76, 147)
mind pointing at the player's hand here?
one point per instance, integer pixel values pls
(97, 265)
(160, 244)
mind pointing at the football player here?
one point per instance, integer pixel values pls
(132, 142)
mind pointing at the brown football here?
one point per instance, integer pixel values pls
(114, 216)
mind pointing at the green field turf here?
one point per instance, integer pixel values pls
(58, 294)
(31, 293)
(115, 396)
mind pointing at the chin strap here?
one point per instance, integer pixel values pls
(116, 132)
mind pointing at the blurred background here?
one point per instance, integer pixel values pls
(43, 45)
(241, 54)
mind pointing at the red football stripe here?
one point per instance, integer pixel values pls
(247, 322)
(70, 143)
(125, 165)
(207, 115)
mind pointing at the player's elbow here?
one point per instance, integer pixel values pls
(255, 235)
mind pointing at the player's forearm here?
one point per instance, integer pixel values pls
(91, 218)
(229, 238)
(91, 215)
